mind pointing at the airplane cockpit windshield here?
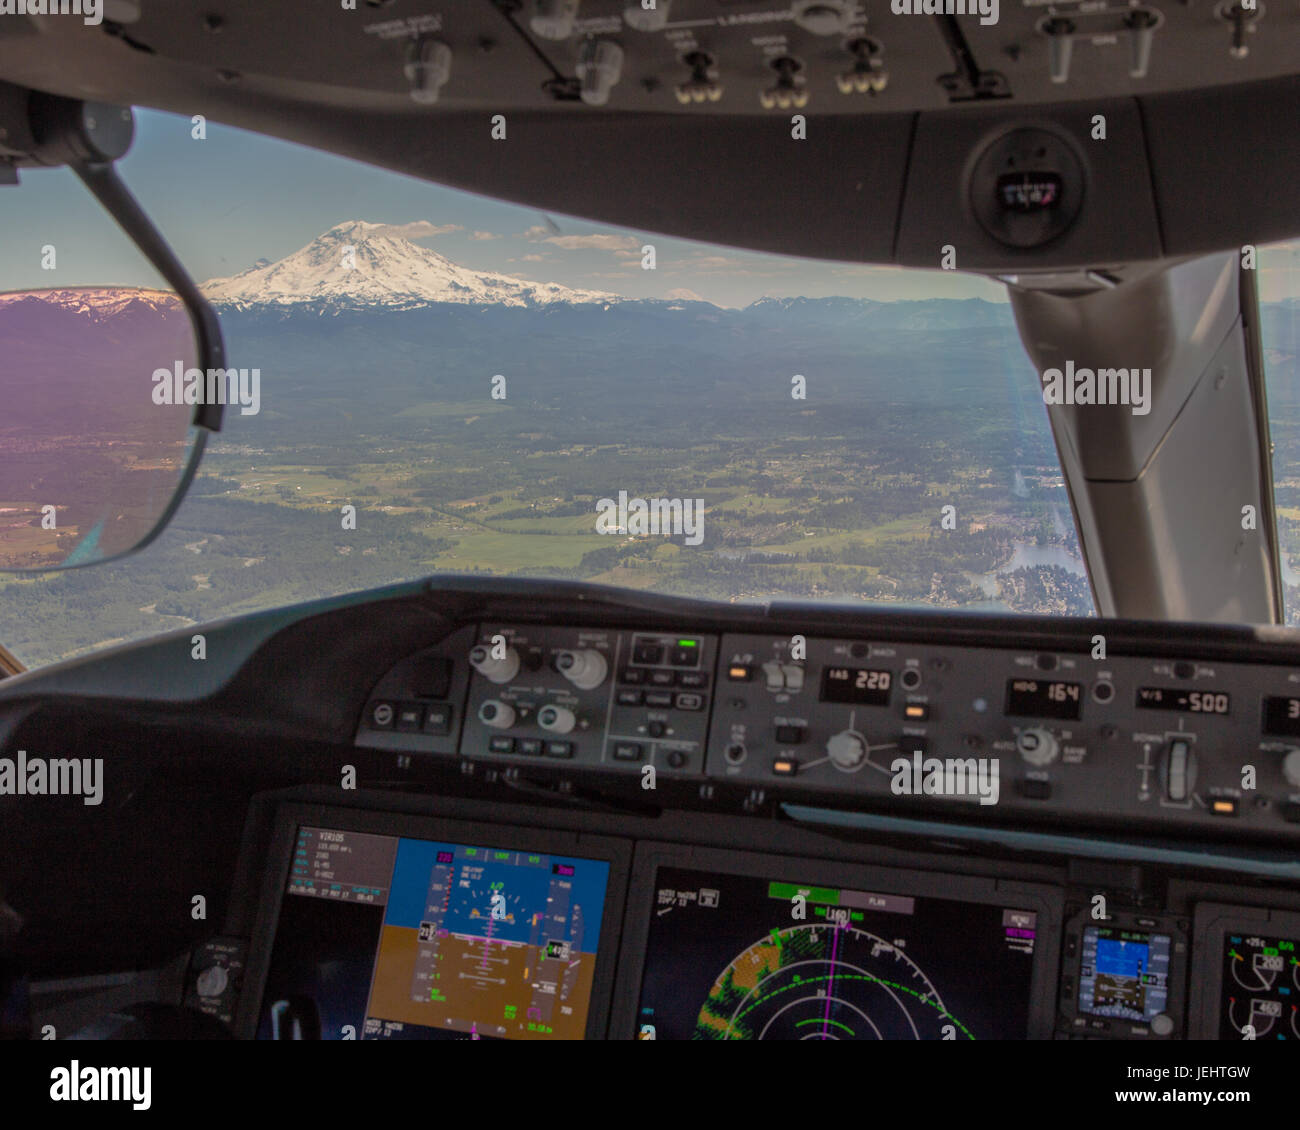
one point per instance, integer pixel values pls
(573, 520)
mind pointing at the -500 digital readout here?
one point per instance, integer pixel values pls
(1186, 702)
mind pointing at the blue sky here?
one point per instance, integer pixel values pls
(235, 197)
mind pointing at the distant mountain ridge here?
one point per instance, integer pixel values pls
(362, 265)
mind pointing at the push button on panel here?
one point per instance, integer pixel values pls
(437, 719)
(410, 716)
(501, 743)
(648, 654)
(627, 751)
(790, 735)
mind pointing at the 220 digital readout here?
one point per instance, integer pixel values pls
(860, 686)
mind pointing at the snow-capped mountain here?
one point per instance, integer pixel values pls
(357, 265)
(97, 302)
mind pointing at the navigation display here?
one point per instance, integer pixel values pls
(1123, 973)
(386, 937)
(731, 957)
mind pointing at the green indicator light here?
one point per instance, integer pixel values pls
(828, 896)
(688, 643)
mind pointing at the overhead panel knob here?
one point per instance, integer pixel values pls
(556, 719)
(496, 669)
(428, 67)
(553, 19)
(647, 15)
(585, 668)
(600, 65)
(822, 17)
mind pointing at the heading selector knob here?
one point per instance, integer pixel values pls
(557, 719)
(847, 750)
(585, 668)
(1037, 745)
(497, 714)
(495, 670)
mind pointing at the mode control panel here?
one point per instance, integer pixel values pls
(1174, 742)
(590, 696)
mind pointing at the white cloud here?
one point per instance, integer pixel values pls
(420, 229)
(484, 235)
(601, 241)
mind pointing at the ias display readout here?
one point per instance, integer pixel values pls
(860, 686)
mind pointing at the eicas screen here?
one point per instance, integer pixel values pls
(738, 958)
(385, 937)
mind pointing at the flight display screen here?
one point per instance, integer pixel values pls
(1123, 973)
(1260, 995)
(387, 937)
(731, 957)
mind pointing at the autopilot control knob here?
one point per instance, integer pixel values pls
(585, 668)
(556, 719)
(847, 750)
(495, 666)
(1291, 767)
(1037, 745)
(497, 714)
